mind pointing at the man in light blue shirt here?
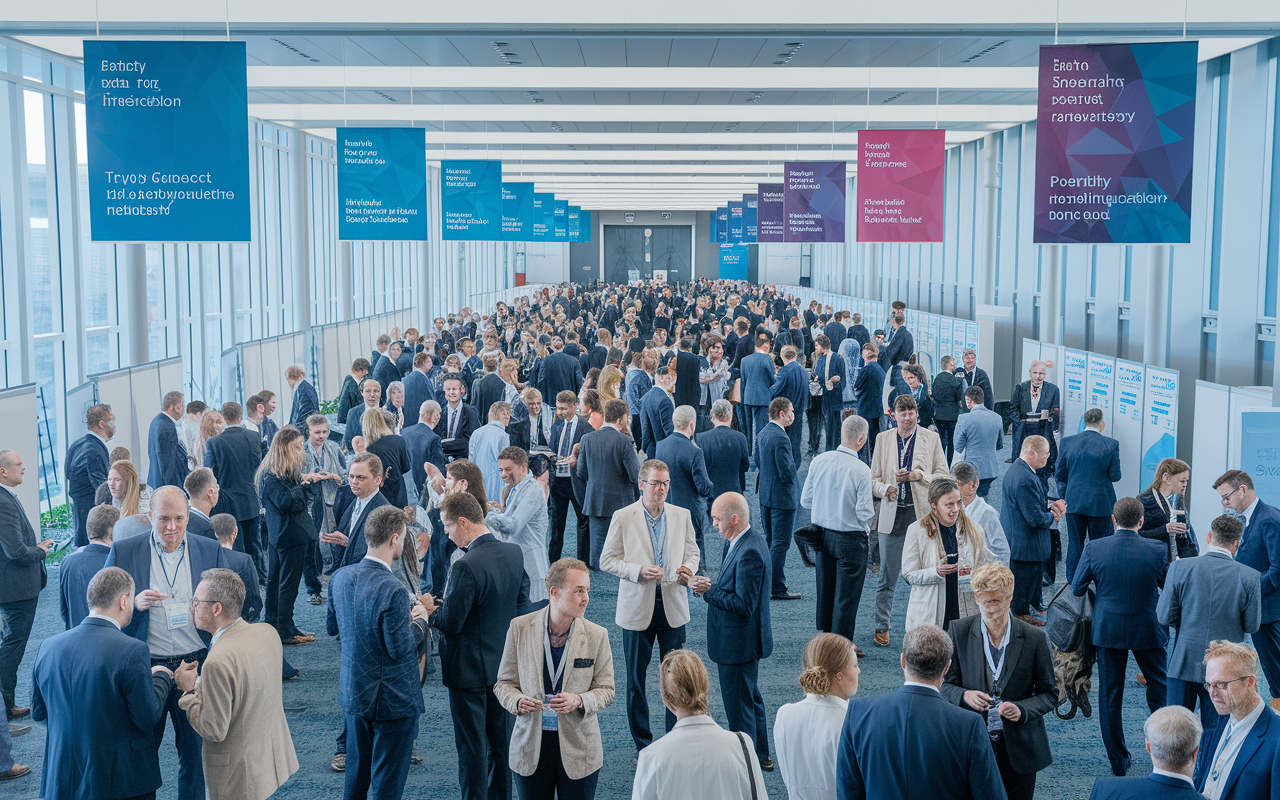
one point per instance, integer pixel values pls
(485, 445)
(523, 520)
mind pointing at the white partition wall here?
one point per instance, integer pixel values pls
(134, 394)
(18, 410)
(1215, 445)
(262, 365)
(337, 345)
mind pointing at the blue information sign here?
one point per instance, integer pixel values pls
(544, 204)
(722, 225)
(733, 261)
(561, 223)
(736, 222)
(471, 200)
(382, 184)
(165, 124)
(573, 216)
(517, 212)
(750, 217)
(584, 225)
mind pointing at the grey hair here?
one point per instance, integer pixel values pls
(1173, 733)
(684, 416)
(428, 407)
(7, 457)
(106, 586)
(852, 429)
(395, 385)
(964, 472)
(721, 409)
(224, 586)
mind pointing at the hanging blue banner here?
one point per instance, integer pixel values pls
(471, 200)
(584, 225)
(750, 217)
(561, 221)
(736, 222)
(517, 212)
(733, 262)
(544, 204)
(573, 217)
(722, 225)
(382, 184)
(166, 124)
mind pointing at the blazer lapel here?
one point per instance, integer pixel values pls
(979, 634)
(1016, 639)
(1250, 746)
(642, 524)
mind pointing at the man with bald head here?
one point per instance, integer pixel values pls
(166, 568)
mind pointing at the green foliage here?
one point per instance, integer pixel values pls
(56, 517)
(329, 406)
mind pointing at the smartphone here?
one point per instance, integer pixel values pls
(952, 558)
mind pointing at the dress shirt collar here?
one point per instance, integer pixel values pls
(1213, 548)
(1168, 774)
(13, 490)
(99, 438)
(826, 700)
(104, 616)
(195, 510)
(1248, 512)
(1249, 719)
(223, 630)
(844, 449)
(736, 539)
(379, 561)
(923, 685)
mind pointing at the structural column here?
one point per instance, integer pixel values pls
(1155, 333)
(346, 287)
(301, 233)
(991, 209)
(1051, 295)
(133, 302)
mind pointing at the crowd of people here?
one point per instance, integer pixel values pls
(428, 512)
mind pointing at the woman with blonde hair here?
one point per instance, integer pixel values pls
(610, 383)
(938, 556)
(806, 734)
(211, 424)
(381, 439)
(127, 490)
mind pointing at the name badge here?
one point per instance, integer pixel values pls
(994, 721)
(177, 613)
(550, 722)
(562, 468)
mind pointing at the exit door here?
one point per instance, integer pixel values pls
(634, 252)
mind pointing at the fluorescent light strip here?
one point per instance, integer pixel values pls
(512, 140)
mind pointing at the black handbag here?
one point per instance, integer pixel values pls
(808, 540)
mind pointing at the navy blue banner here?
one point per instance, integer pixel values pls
(750, 217)
(517, 212)
(544, 206)
(561, 221)
(722, 225)
(736, 222)
(584, 225)
(382, 184)
(471, 200)
(573, 223)
(166, 124)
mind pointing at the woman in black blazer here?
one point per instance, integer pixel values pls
(286, 496)
(1025, 684)
(1161, 502)
(389, 446)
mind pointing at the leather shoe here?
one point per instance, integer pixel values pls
(16, 771)
(18, 712)
(766, 765)
(339, 762)
(882, 638)
(1142, 679)
(1039, 623)
(315, 600)
(786, 596)
(857, 651)
(18, 730)
(300, 639)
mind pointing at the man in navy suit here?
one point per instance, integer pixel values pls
(561, 372)
(417, 387)
(899, 345)
(792, 382)
(1240, 757)
(690, 484)
(163, 593)
(22, 577)
(776, 484)
(829, 369)
(1173, 739)
(1025, 516)
(568, 430)
(87, 465)
(1260, 549)
(202, 493)
(226, 531)
(1128, 572)
(378, 687)
(739, 633)
(78, 568)
(423, 443)
(725, 451)
(1036, 406)
(868, 387)
(606, 474)
(371, 391)
(458, 420)
(912, 742)
(166, 452)
(305, 400)
(386, 371)
(234, 456)
(656, 408)
(101, 696)
(835, 331)
(1088, 466)
(364, 475)
(687, 391)
(757, 384)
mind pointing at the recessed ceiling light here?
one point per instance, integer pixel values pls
(499, 44)
(794, 44)
(515, 62)
(779, 62)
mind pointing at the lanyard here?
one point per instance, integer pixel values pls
(996, 668)
(165, 571)
(558, 672)
(904, 447)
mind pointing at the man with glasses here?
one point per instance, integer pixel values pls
(1260, 549)
(1240, 758)
(652, 549)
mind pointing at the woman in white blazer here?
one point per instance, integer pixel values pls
(940, 552)
(555, 747)
(697, 759)
(806, 735)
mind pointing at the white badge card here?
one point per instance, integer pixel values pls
(549, 720)
(177, 613)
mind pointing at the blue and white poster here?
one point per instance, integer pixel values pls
(560, 224)
(1100, 387)
(1260, 452)
(166, 125)
(1127, 424)
(382, 184)
(517, 212)
(1160, 425)
(736, 222)
(722, 225)
(471, 200)
(573, 217)
(751, 217)
(584, 225)
(1074, 377)
(544, 205)
(733, 262)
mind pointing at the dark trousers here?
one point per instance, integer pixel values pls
(796, 434)
(637, 649)
(549, 780)
(1026, 580)
(17, 618)
(873, 430)
(947, 433)
(831, 419)
(1016, 785)
(635, 430)
(438, 554)
(759, 417)
(743, 705)
(1186, 693)
(984, 486)
(312, 566)
(841, 574)
(777, 533)
(1051, 563)
(188, 742)
(1021, 430)
(282, 588)
(1080, 527)
(250, 541)
(1112, 663)
(561, 498)
(82, 505)
(816, 418)
(482, 733)
(599, 529)
(378, 761)
(1267, 642)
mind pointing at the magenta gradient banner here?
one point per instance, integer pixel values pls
(813, 201)
(901, 178)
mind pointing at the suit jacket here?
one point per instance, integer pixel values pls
(242, 564)
(978, 377)
(628, 547)
(738, 626)
(582, 428)
(22, 569)
(74, 574)
(1260, 549)
(836, 332)
(656, 409)
(688, 391)
(792, 383)
(690, 484)
(1049, 399)
(1205, 598)
(777, 481)
(487, 588)
(417, 390)
(386, 373)
(87, 465)
(423, 445)
(200, 525)
(110, 752)
(890, 740)
(238, 710)
(757, 379)
(1151, 787)
(979, 434)
(1024, 513)
(133, 555)
(305, 403)
(725, 453)
(588, 673)
(355, 425)
(1254, 775)
(928, 457)
(1128, 572)
(357, 548)
(234, 456)
(1027, 681)
(948, 397)
(457, 446)
(868, 387)
(899, 348)
(1088, 467)
(349, 397)
(607, 472)
(485, 392)
(561, 371)
(288, 512)
(167, 454)
(370, 609)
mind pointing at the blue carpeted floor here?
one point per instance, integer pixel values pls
(1077, 747)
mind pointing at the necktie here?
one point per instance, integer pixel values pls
(453, 422)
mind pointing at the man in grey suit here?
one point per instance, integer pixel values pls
(607, 470)
(979, 434)
(22, 576)
(1207, 598)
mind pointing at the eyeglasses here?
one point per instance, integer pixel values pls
(1227, 496)
(659, 484)
(196, 601)
(1222, 687)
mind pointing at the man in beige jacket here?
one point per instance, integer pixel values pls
(236, 705)
(652, 549)
(906, 460)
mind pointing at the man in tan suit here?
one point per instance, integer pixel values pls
(236, 705)
(650, 544)
(906, 460)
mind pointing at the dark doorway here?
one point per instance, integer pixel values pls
(633, 252)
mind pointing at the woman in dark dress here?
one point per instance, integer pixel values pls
(388, 446)
(1164, 516)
